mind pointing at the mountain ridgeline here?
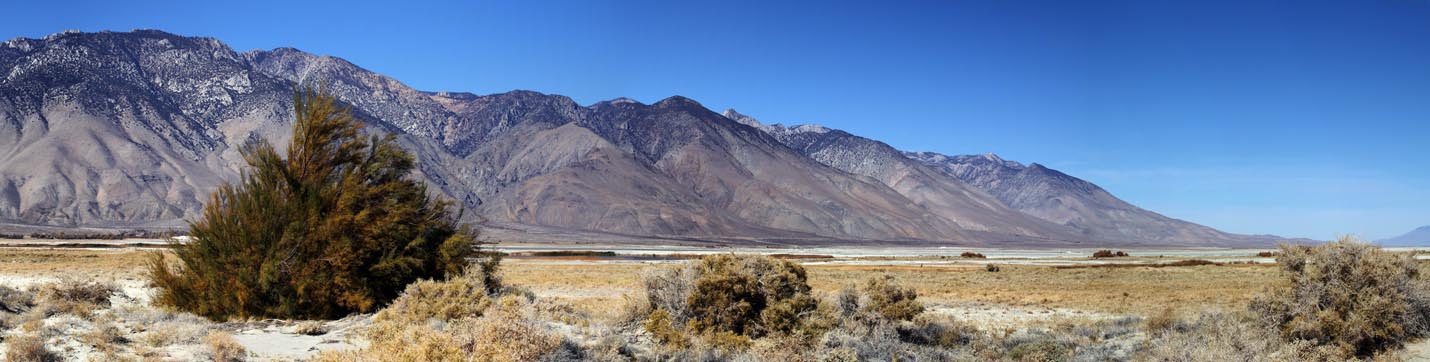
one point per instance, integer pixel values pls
(136, 129)
(1418, 237)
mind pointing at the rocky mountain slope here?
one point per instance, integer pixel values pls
(949, 183)
(1057, 197)
(135, 129)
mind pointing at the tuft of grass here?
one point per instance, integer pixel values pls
(28, 348)
(1162, 321)
(173, 332)
(224, 348)
(15, 301)
(104, 337)
(311, 328)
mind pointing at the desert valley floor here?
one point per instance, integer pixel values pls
(1031, 288)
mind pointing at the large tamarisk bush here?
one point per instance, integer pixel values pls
(332, 227)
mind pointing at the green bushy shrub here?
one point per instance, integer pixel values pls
(332, 227)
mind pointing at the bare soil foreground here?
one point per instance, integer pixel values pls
(1030, 290)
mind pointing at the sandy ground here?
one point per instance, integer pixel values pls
(280, 340)
(1418, 352)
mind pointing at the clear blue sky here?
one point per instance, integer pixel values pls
(1298, 118)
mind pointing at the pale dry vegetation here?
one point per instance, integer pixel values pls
(595, 286)
(1348, 295)
(70, 319)
(603, 311)
(755, 308)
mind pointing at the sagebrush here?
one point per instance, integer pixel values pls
(1348, 294)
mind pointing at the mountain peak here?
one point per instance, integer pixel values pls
(678, 101)
(453, 95)
(810, 128)
(741, 118)
(618, 102)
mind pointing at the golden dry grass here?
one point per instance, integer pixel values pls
(598, 287)
(60, 262)
(1139, 290)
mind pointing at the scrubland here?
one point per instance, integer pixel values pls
(1141, 291)
(94, 305)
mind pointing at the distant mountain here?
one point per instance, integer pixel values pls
(960, 183)
(135, 130)
(1418, 237)
(945, 197)
(1059, 198)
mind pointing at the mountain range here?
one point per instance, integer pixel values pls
(135, 129)
(1418, 237)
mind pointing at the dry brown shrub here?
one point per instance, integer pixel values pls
(782, 348)
(664, 331)
(751, 295)
(667, 288)
(104, 337)
(460, 297)
(1040, 351)
(891, 300)
(1109, 254)
(506, 335)
(1230, 337)
(939, 330)
(224, 348)
(993, 268)
(502, 333)
(972, 255)
(1347, 294)
(311, 328)
(178, 331)
(74, 296)
(727, 342)
(15, 301)
(1164, 320)
(28, 348)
